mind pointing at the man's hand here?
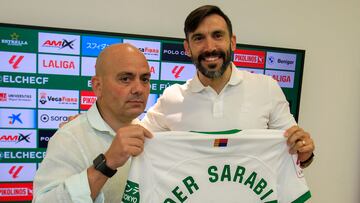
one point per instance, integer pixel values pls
(128, 141)
(300, 142)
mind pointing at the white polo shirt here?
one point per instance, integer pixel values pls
(248, 101)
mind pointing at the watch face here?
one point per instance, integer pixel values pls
(99, 160)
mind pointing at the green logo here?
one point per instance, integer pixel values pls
(15, 39)
(131, 193)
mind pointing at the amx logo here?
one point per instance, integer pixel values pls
(177, 70)
(59, 44)
(15, 60)
(15, 118)
(15, 170)
(15, 138)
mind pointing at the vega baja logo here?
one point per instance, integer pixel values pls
(60, 100)
(59, 44)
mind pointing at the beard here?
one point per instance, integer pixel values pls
(209, 71)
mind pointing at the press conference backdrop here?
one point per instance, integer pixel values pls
(45, 76)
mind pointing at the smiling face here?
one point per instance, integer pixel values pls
(210, 46)
(122, 83)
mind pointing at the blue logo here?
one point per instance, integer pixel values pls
(14, 118)
(271, 59)
(92, 46)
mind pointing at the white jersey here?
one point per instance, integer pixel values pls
(245, 166)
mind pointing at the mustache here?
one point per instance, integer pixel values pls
(214, 53)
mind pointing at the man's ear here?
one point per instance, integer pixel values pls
(96, 84)
(233, 42)
(187, 49)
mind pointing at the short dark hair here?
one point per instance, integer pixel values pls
(197, 16)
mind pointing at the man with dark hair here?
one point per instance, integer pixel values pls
(220, 97)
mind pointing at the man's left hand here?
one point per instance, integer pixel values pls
(300, 142)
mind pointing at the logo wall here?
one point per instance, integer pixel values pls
(88, 66)
(60, 99)
(17, 97)
(17, 138)
(249, 58)
(50, 119)
(87, 99)
(59, 43)
(17, 62)
(17, 118)
(17, 172)
(177, 71)
(59, 64)
(150, 49)
(10, 192)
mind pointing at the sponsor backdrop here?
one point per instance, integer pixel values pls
(45, 76)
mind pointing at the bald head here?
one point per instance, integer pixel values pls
(117, 54)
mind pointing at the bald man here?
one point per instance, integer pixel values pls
(87, 159)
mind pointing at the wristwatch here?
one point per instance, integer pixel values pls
(100, 165)
(306, 163)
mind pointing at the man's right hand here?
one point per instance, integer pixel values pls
(128, 141)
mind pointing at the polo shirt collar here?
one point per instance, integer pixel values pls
(97, 122)
(235, 79)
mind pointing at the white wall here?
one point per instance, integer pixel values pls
(328, 30)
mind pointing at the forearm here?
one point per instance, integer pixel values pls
(96, 181)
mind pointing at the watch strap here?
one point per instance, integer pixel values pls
(100, 165)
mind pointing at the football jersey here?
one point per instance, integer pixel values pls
(235, 166)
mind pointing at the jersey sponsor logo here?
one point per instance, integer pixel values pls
(249, 58)
(92, 46)
(10, 192)
(18, 171)
(150, 49)
(18, 62)
(281, 61)
(51, 119)
(17, 138)
(58, 64)
(62, 99)
(88, 66)
(220, 142)
(18, 97)
(17, 118)
(176, 71)
(174, 52)
(131, 193)
(87, 99)
(14, 40)
(44, 137)
(59, 43)
(284, 78)
(154, 70)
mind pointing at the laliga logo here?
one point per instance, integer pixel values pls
(177, 70)
(14, 171)
(14, 61)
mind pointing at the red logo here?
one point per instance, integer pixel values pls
(15, 170)
(88, 98)
(59, 64)
(11, 192)
(249, 58)
(3, 96)
(177, 70)
(14, 61)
